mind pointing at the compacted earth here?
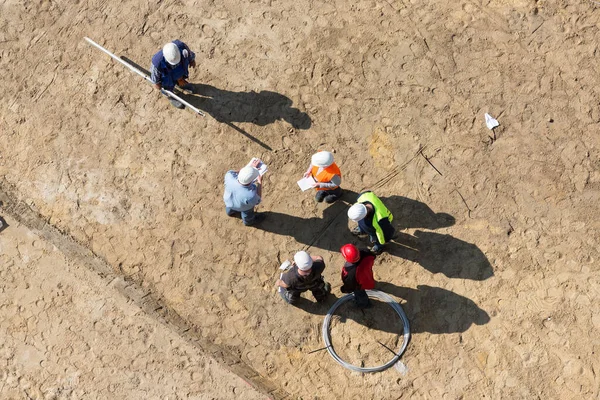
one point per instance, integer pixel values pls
(122, 276)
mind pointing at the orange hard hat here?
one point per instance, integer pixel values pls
(350, 253)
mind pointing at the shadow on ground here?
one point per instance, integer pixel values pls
(259, 108)
(436, 310)
(3, 224)
(437, 253)
(429, 309)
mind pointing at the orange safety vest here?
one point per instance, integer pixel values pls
(326, 174)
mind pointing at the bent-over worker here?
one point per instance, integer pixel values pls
(170, 67)
(374, 219)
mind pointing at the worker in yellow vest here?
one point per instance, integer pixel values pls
(374, 219)
(327, 176)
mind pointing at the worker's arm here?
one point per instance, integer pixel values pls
(308, 171)
(187, 53)
(336, 181)
(259, 186)
(156, 76)
(281, 283)
(387, 228)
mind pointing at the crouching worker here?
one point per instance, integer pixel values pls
(303, 275)
(327, 176)
(357, 274)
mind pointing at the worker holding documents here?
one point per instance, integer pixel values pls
(170, 67)
(326, 175)
(243, 191)
(374, 219)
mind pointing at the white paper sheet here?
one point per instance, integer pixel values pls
(261, 167)
(490, 121)
(306, 183)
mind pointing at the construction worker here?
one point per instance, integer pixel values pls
(327, 176)
(170, 67)
(243, 191)
(374, 219)
(357, 273)
(303, 275)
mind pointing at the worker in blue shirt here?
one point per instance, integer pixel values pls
(243, 191)
(170, 67)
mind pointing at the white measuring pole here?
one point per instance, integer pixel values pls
(146, 77)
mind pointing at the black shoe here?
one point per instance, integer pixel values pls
(357, 232)
(258, 218)
(376, 250)
(188, 88)
(177, 104)
(331, 198)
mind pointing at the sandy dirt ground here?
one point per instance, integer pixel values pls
(65, 334)
(496, 262)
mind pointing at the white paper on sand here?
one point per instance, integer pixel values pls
(306, 183)
(285, 265)
(490, 121)
(261, 167)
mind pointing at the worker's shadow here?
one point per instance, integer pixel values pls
(438, 253)
(259, 108)
(436, 310)
(329, 232)
(429, 309)
(3, 224)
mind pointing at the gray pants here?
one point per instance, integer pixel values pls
(319, 291)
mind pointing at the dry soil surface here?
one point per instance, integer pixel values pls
(66, 334)
(496, 261)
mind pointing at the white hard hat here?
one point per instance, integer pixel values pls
(171, 53)
(322, 159)
(247, 175)
(303, 260)
(357, 212)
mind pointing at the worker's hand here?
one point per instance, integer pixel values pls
(193, 63)
(158, 86)
(255, 163)
(316, 185)
(307, 174)
(259, 179)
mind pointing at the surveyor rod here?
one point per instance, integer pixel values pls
(146, 77)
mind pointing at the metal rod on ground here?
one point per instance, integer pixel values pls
(146, 77)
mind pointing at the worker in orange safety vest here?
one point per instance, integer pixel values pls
(327, 176)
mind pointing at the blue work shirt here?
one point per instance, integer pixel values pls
(166, 74)
(237, 196)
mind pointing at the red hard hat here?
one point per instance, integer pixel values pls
(350, 253)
